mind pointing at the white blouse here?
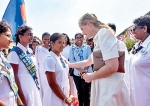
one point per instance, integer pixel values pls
(53, 64)
(13, 58)
(106, 44)
(5, 90)
(138, 66)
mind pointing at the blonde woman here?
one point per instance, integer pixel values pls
(108, 87)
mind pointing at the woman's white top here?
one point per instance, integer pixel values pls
(107, 44)
(13, 58)
(28, 86)
(5, 90)
(138, 66)
(53, 64)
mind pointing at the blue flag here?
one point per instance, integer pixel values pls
(15, 15)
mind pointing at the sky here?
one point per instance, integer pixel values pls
(63, 15)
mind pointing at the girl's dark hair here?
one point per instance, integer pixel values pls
(55, 36)
(4, 26)
(44, 34)
(112, 26)
(68, 40)
(143, 21)
(20, 31)
(78, 34)
(35, 40)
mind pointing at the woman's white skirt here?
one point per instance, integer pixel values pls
(109, 91)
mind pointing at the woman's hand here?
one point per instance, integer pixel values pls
(68, 101)
(72, 97)
(87, 77)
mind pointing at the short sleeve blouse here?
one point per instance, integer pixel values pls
(107, 43)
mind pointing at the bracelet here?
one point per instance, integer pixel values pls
(65, 99)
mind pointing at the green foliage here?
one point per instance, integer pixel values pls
(129, 44)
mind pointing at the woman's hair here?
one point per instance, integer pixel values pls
(4, 26)
(143, 21)
(35, 41)
(20, 31)
(44, 34)
(93, 20)
(68, 40)
(78, 34)
(55, 36)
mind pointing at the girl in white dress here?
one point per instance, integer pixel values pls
(41, 53)
(108, 87)
(57, 72)
(25, 77)
(7, 94)
(138, 64)
(65, 53)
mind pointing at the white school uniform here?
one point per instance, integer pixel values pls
(53, 64)
(6, 93)
(109, 91)
(28, 86)
(41, 53)
(139, 67)
(65, 53)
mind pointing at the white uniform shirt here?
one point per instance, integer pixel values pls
(5, 90)
(13, 58)
(107, 43)
(139, 67)
(53, 64)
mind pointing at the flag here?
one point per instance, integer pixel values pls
(15, 15)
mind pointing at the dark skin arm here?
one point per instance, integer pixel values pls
(2, 103)
(15, 68)
(55, 87)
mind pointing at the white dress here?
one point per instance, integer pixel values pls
(41, 53)
(139, 67)
(65, 53)
(28, 86)
(6, 93)
(53, 64)
(109, 91)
